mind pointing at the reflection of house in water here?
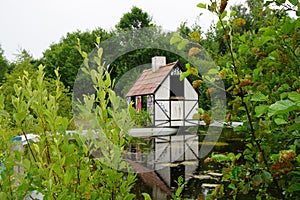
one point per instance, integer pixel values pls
(172, 156)
(175, 155)
(170, 101)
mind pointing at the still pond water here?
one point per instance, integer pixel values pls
(161, 160)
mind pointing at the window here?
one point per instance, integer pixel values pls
(176, 86)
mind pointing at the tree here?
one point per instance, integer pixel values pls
(65, 56)
(139, 56)
(130, 22)
(134, 19)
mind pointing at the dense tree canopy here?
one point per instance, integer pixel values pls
(65, 55)
(134, 19)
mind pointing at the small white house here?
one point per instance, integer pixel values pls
(170, 102)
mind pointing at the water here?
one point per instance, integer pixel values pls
(161, 160)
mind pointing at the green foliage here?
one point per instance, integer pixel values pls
(178, 193)
(134, 19)
(65, 56)
(24, 65)
(260, 68)
(138, 56)
(3, 66)
(146, 196)
(60, 165)
(141, 118)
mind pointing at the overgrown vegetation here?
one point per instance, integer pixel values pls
(259, 63)
(257, 51)
(62, 165)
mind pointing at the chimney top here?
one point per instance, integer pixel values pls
(157, 62)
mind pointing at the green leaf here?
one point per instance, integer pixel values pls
(294, 187)
(232, 13)
(266, 39)
(213, 71)
(20, 116)
(268, 31)
(193, 71)
(288, 26)
(183, 75)
(183, 44)
(188, 66)
(247, 157)
(237, 156)
(219, 157)
(268, 3)
(294, 96)
(195, 36)
(272, 49)
(294, 2)
(100, 52)
(178, 191)
(242, 38)
(3, 195)
(180, 180)
(275, 157)
(280, 121)
(98, 40)
(260, 110)
(294, 127)
(243, 48)
(26, 163)
(282, 106)
(274, 54)
(232, 186)
(175, 38)
(297, 120)
(236, 171)
(284, 87)
(146, 196)
(297, 51)
(256, 42)
(84, 54)
(267, 177)
(223, 14)
(201, 5)
(220, 22)
(259, 97)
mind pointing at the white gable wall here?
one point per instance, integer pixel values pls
(163, 93)
(180, 109)
(190, 94)
(177, 113)
(189, 91)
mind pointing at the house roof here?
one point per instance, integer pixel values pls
(149, 81)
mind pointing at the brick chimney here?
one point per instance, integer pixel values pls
(157, 62)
